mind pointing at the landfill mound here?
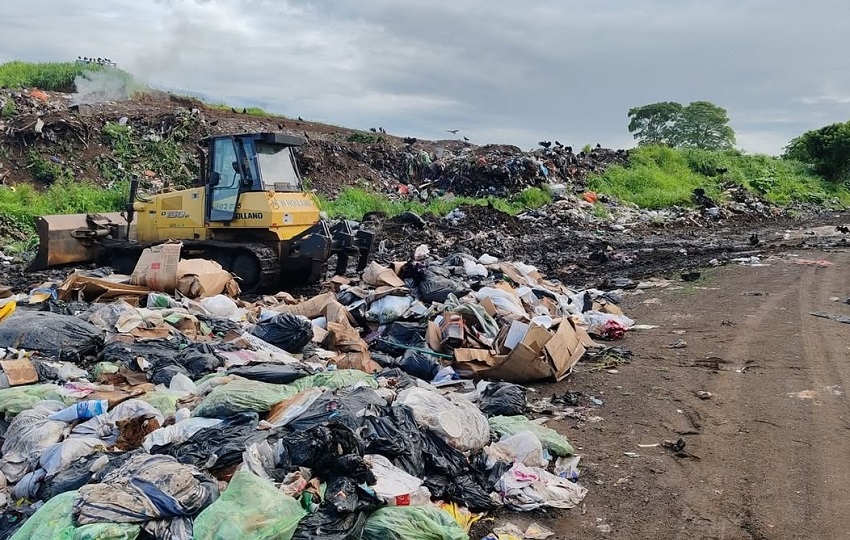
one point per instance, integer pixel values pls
(82, 140)
(393, 404)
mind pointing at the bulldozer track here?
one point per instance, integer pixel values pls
(264, 256)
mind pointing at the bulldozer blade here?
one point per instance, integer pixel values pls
(57, 244)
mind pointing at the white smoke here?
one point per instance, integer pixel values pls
(108, 84)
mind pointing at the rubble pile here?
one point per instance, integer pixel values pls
(390, 405)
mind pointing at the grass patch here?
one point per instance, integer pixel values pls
(353, 203)
(54, 76)
(658, 177)
(251, 111)
(21, 203)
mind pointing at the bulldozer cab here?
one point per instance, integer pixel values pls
(243, 163)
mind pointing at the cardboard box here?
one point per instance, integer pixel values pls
(200, 277)
(157, 267)
(19, 372)
(377, 275)
(536, 354)
(90, 289)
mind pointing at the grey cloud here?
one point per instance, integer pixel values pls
(500, 71)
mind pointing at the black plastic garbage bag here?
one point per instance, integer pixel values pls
(396, 437)
(449, 475)
(420, 364)
(436, 288)
(402, 333)
(319, 448)
(503, 399)
(59, 336)
(346, 409)
(219, 446)
(152, 350)
(194, 361)
(287, 331)
(343, 513)
(488, 477)
(270, 372)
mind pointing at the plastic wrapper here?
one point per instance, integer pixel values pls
(388, 309)
(251, 508)
(551, 440)
(395, 485)
(409, 522)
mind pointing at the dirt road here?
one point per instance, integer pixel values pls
(772, 441)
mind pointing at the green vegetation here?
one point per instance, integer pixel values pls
(700, 124)
(587, 149)
(55, 76)
(46, 171)
(658, 176)
(827, 149)
(367, 138)
(251, 111)
(9, 109)
(353, 203)
(21, 203)
(162, 155)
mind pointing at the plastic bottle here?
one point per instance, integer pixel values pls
(81, 411)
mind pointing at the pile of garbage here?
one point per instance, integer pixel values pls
(391, 405)
(499, 170)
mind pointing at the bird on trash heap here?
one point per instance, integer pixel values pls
(453, 131)
(545, 144)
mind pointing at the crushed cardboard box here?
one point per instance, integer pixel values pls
(161, 269)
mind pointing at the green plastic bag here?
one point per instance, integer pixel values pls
(20, 398)
(241, 395)
(413, 523)
(54, 521)
(340, 378)
(549, 438)
(163, 399)
(251, 508)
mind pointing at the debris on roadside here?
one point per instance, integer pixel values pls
(344, 408)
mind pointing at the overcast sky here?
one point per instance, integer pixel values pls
(498, 70)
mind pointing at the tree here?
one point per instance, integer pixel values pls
(654, 123)
(827, 149)
(700, 124)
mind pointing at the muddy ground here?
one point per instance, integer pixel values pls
(767, 450)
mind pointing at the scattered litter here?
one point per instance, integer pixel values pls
(679, 344)
(837, 318)
(702, 394)
(804, 394)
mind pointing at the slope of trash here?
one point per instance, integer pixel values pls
(73, 137)
(393, 404)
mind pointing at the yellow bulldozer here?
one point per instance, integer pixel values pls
(247, 211)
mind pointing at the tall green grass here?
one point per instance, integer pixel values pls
(353, 203)
(658, 177)
(54, 76)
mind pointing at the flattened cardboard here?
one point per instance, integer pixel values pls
(312, 308)
(564, 350)
(19, 372)
(157, 267)
(489, 307)
(473, 362)
(432, 336)
(91, 289)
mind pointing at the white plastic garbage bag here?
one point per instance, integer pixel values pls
(473, 269)
(58, 457)
(388, 309)
(396, 486)
(458, 421)
(503, 300)
(220, 306)
(529, 488)
(28, 436)
(523, 447)
(179, 432)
